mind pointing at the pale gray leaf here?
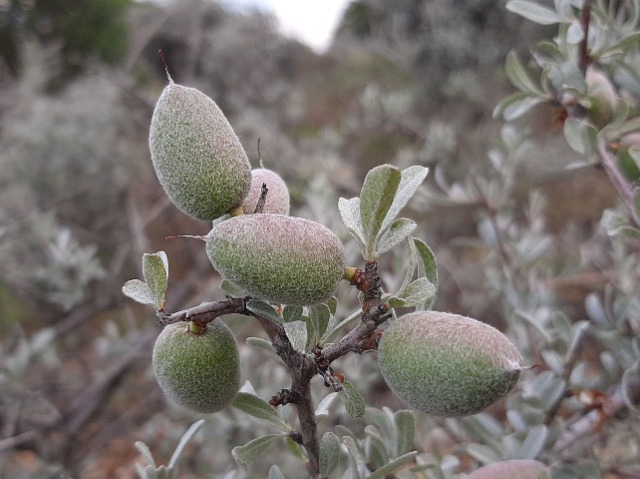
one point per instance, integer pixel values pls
(260, 409)
(139, 291)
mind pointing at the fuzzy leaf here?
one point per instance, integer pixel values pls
(533, 443)
(264, 309)
(350, 214)
(580, 135)
(394, 465)
(533, 11)
(356, 462)
(260, 409)
(275, 473)
(397, 232)
(353, 401)
(329, 453)
(410, 179)
(420, 293)
(377, 195)
(519, 75)
(319, 314)
(155, 270)
(297, 334)
(291, 313)
(516, 105)
(184, 440)
(260, 343)
(429, 266)
(139, 291)
(405, 423)
(322, 410)
(245, 455)
(232, 289)
(145, 452)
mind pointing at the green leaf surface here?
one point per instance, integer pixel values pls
(405, 424)
(264, 309)
(350, 214)
(410, 179)
(184, 440)
(580, 135)
(139, 291)
(319, 314)
(420, 292)
(429, 266)
(232, 289)
(377, 195)
(245, 455)
(533, 443)
(356, 462)
(397, 232)
(145, 452)
(155, 270)
(533, 11)
(322, 410)
(352, 399)
(260, 409)
(516, 105)
(393, 466)
(260, 343)
(275, 473)
(297, 334)
(291, 313)
(519, 76)
(329, 453)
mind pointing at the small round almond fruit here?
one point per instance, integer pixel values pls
(197, 157)
(196, 366)
(446, 364)
(278, 258)
(512, 469)
(277, 201)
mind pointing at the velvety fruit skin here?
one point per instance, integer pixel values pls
(278, 258)
(277, 196)
(196, 155)
(198, 371)
(512, 469)
(446, 364)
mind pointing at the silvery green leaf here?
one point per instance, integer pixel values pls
(275, 473)
(184, 440)
(397, 232)
(350, 214)
(516, 105)
(295, 449)
(396, 302)
(394, 465)
(166, 472)
(382, 419)
(260, 409)
(533, 11)
(628, 376)
(410, 179)
(429, 265)
(419, 293)
(356, 462)
(533, 443)
(353, 401)
(319, 314)
(139, 291)
(332, 302)
(375, 447)
(482, 453)
(264, 309)
(245, 455)
(260, 343)
(405, 423)
(580, 135)
(145, 452)
(291, 313)
(148, 472)
(322, 410)
(377, 195)
(329, 453)
(519, 75)
(297, 334)
(155, 270)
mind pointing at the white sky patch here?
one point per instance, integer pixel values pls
(311, 21)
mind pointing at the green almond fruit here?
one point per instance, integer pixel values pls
(197, 367)
(446, 364)
(277, 201)
(197, 157)
(277, 258)
(512, 469)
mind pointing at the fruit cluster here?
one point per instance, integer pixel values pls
(440, 363)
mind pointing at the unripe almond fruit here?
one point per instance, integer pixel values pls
(196, 366)
(197, 157)
(512, 469)
(278, 258)
(277, 201)
(446, 364)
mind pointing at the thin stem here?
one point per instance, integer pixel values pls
(585, 19)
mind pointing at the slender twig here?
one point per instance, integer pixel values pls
(585, 57)
(205, 312)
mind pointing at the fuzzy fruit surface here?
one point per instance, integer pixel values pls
(446, 364)
(198, 371)
(278, 258)
(197, 157)
(277, 197)
(512, 469)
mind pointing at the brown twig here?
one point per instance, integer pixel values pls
(585, 57)
(205, 312)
